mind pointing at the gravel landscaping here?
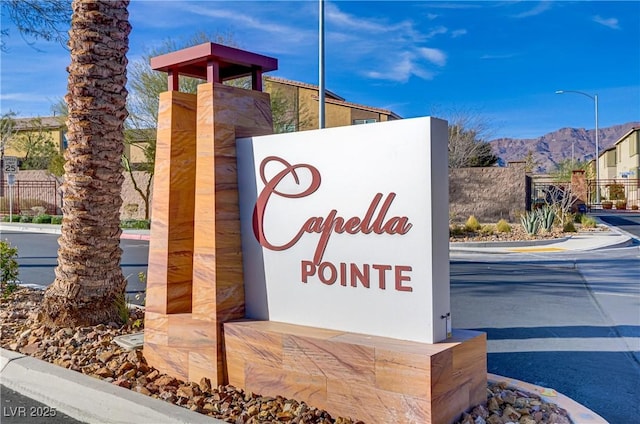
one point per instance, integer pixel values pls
(91, 351)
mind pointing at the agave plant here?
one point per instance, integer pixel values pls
(530, 222)
(546, 216)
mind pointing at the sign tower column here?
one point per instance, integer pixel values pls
(195, 281)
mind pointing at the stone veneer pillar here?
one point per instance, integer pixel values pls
(195, 282)
(195, 279)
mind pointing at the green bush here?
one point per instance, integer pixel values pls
(569, 227)
(616, 191)
(472, 224)
(8, 268)
(503, 226)
(487, 230)
(15, 218)
(139, 224)
(56, 219)
(587, 221)
(42, 219)
(25, 218)
(456, 230)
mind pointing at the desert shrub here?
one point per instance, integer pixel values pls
(569, 227)
(42, 219)
(530, 222)
(616, 191)
(8, 267)
(472, 224)
(26, 218)
(546, 216)
(56, 219)
(503, 226)
(621, 204)
(487, 230)
(456, 230)
(587, 221)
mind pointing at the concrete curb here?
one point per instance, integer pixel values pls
(523, 243)
(92, 400)
(55, 229)
(577, 412)
(86, 398)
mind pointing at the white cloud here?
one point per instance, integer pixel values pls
(435, 56)
(609, 22)
(458, 32)
(436, 31)
(243, 19)
(402, 69)
(540, 8)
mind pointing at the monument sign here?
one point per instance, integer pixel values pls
(347, 228)
(326, 280)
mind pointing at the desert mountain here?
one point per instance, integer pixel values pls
(559, 145)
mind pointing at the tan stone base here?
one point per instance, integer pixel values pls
(374, 379)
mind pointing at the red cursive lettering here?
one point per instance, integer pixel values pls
(374, 220)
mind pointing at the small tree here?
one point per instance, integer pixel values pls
(561, 199)
(531, 164)
(36, 144)
(565, 168)
(468, 132)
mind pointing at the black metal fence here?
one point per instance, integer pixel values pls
(619, 193)
(615, 194)
(28, 195)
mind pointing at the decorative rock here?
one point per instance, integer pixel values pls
(142, 389)
(185, 392)
(105, 356)
(511, 413)
(166, 380)
(205, 385)
(104, 372)
(90, 351)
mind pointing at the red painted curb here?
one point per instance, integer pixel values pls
(135, 236)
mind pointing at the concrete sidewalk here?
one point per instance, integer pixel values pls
(55, 229)
(582, 241)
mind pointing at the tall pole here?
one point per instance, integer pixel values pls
(595, 97)
(321, 66)
(597, 162)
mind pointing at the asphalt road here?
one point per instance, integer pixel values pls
(19, 409)
(565, 320)
(37, 258)
(629, 222)
(569, 321)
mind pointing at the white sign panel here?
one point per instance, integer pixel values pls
(10, 164)
(347, 228)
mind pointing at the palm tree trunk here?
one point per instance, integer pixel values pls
(88, 277)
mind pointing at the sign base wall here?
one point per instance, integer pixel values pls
(369, 378)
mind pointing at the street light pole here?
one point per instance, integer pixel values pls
(321, 89)
(595, 100)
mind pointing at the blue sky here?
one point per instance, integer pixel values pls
(500, 60)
